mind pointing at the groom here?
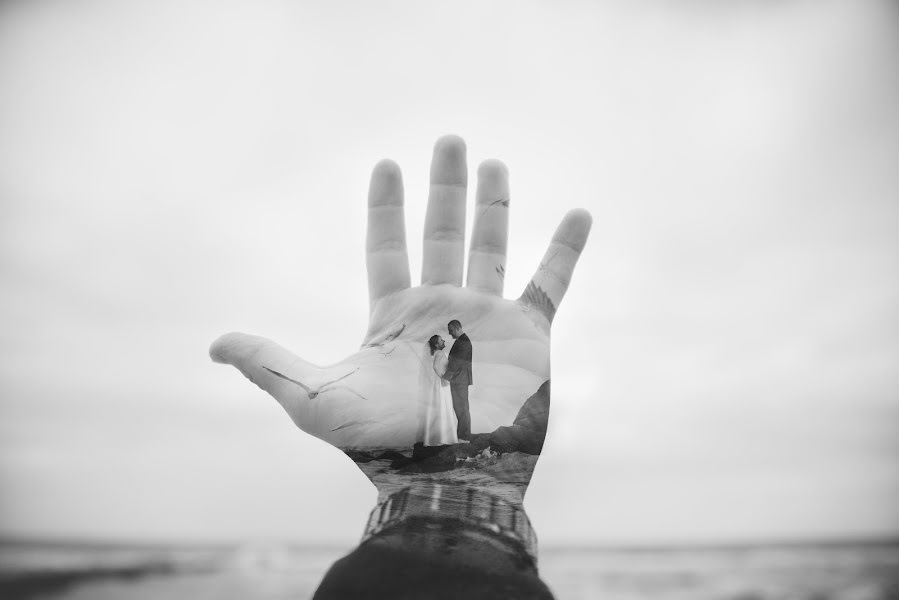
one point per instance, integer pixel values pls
(458, 373)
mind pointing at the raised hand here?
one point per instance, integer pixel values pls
(369, 404)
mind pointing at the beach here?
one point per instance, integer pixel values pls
(82, 571)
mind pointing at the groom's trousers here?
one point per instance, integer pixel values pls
(460, 405)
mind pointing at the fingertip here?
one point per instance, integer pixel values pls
(386, 186)
(223, 349)
(449, 166)
(386, 168)
(218, 348)
(493, 171)
(580, 215)
(574, 229)
(491, 166)
(450, 140)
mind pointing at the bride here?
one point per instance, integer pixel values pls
(439, 419)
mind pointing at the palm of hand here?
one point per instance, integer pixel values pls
(369, 400)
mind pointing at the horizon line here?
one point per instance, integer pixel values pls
(886, 539)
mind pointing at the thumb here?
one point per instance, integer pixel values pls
(282, 374)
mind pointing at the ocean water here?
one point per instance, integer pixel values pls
(850, 571)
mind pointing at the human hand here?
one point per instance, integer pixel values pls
(370, 404)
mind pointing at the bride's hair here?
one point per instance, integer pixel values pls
(432, 343)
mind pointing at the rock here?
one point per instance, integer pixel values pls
(422, 452)
(432, 459)
(426, 459)
(477, 438)
(359, 456)
(390, 455)
(515, 438)
(476, 446)
(364, 456)
(528, 430)
(534, 413)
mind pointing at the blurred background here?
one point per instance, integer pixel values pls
(725, 365)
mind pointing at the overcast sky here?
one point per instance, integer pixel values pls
(726, 362)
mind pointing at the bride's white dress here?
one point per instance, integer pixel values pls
(438, 417)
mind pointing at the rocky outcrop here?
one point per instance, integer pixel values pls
(534, 414)
(528, 430)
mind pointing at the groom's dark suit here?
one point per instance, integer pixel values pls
(458, 373)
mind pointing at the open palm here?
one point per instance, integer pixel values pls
(370, 399)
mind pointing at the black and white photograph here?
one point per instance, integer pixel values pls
(546, 301)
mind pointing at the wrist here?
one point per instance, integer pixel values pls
(441, 542)
(429, 511)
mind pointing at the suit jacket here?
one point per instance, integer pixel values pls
(458, 370)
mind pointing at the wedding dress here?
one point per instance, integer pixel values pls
(438, 426)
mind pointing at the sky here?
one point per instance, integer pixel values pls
(726, 361)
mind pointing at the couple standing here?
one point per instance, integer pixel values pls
(443, 389)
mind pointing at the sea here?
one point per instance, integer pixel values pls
(796, 571)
